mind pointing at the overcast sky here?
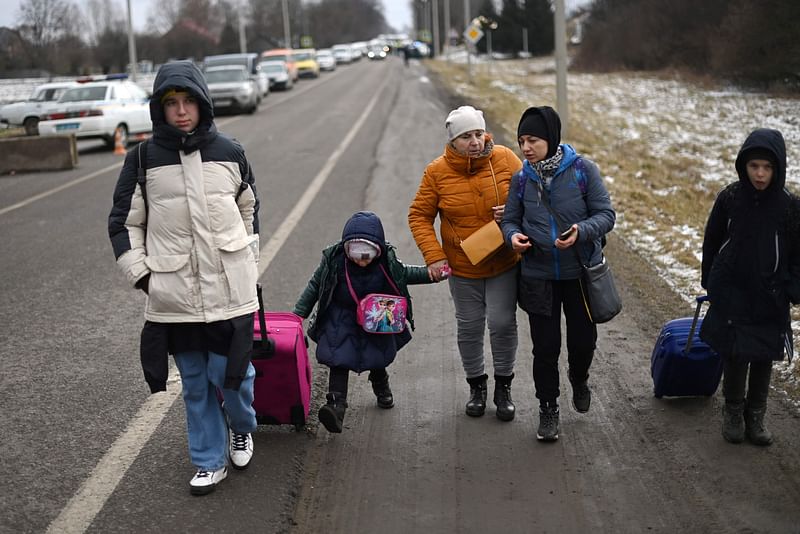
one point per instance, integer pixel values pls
(397, 12)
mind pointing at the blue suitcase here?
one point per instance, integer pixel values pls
(682, 365)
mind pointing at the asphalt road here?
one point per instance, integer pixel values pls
(85, 448)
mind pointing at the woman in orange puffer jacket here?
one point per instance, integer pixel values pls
(459, 187)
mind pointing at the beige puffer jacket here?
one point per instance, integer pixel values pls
(195, 239)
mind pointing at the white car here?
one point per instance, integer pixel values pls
(100, 110)
(26, 114)
(326, 59)
(278, 73)
(343, 53)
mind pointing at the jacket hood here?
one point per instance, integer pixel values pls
(765, 139)
(553, 125)
(365, 225)
(187, 76)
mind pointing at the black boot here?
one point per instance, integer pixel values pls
(733, 421)
(382, 391)
(502, 397)
(477, 395)
(754, 426)
(331, 415)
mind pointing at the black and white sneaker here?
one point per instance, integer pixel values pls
(581, 397)
(240, 449)
(205, 481)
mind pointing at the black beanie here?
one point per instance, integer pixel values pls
(542, 122)
(760, 153)
(533, 124)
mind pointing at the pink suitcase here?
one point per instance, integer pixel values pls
(282, 390)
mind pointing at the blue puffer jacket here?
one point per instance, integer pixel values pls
(526, 213)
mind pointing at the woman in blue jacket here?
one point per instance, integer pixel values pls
(556, 215)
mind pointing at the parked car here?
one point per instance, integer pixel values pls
(26, 114)
(359, 50)
(282, 54)
(100, 110)
(306, 59)
(231, 87)
(278, 73)
(343, 53)
(251, 62)
(326, 59)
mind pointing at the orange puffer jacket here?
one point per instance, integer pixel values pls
(460, 190)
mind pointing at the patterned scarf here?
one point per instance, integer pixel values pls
(546, 168)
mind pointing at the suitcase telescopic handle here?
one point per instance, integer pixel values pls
(700, 300)
(267, 345)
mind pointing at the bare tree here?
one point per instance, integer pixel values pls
(100, 19)
(163, 16)
(44, 21)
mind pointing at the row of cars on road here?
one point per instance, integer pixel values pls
(117, 110)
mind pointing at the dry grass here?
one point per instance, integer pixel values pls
(11, 132)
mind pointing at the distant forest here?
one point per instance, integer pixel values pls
(747, 41)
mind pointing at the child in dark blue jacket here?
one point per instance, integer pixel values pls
(342, 344)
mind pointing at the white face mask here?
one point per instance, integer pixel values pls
(360, 250)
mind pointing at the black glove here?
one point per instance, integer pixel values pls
(144, 284)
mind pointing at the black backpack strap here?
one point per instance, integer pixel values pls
(141, 170)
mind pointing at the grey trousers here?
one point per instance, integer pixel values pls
(481, 301)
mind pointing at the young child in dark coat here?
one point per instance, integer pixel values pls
(751, 269)
(343, 345)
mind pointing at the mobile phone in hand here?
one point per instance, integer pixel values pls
(566, 234)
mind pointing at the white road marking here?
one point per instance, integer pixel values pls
(115, 166)
(61, 187)
(280, 235)
(84, 506)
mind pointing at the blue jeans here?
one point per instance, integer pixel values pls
(202, 373)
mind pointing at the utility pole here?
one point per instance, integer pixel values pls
(436, 49)
(525, 41)
(242, 36)
(447, 28)
(466, 43)
(561, 65)
(131, 44)
(287, 36)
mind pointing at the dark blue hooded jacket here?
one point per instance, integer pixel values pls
(341, 342)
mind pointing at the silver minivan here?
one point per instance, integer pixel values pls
(250, 61)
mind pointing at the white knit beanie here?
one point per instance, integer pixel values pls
(464, 119)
